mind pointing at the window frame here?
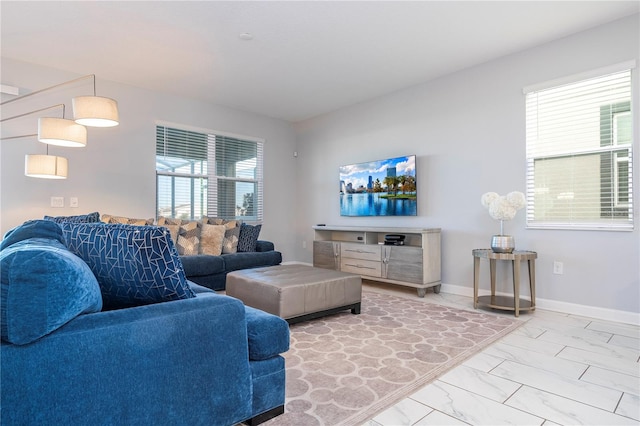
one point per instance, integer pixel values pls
(609, 139)
(209, 207)
(613, 215)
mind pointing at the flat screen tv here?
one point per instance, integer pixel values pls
(379, 188)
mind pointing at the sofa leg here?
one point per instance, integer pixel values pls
(267, 415)
(356, 309)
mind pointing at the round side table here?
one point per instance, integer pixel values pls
(514, 303)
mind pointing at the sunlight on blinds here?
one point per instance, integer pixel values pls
(579, 154)
(205, 174)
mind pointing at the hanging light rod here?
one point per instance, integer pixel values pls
(19, 137)
(33, 112)
(92, 111)
(26, 95)
(54, 131)
(24, 115)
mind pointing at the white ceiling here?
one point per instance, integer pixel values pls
(306, 57)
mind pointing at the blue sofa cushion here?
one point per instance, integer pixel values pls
(134, 265)
(42, 287)
(83, 218)
(268, 334)
(32, 229)
(248, 238)
(237, 261)
(203, 264)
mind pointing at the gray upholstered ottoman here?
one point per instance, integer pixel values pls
(296, 292)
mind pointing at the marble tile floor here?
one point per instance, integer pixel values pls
(556, 369)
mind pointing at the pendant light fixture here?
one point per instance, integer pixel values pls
(92, 111)
(95, 111)
(61, 132)
(45, 166)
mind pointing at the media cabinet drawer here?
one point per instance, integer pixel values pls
(361, 267)
(361, 251)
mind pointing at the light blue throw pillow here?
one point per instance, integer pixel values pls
(134, 265)
(32, 229)
(42, 287)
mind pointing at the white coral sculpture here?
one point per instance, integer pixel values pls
(503, 207)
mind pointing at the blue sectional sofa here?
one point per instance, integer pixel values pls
(211, 271)
(207, 254)
(101, 327)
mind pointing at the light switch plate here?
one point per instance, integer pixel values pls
(57, 201)
(73, 202)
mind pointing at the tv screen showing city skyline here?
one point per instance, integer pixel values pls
(379, 188)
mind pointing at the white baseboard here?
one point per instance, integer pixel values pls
(546, 304)
(625, 317)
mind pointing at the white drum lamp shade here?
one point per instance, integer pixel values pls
(95, 111)
(45, 166)
(61, 132)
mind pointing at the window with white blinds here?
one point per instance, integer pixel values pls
(206, 174)
(579, 154)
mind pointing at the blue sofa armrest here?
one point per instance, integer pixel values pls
(263, 245)
(268, 334)
(114, 367)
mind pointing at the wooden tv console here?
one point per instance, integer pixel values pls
(361, 250)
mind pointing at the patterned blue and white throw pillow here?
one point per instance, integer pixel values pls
(82, 218)
(134, 265)
(248, 238)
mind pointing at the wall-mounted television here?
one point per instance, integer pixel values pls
(379, 188)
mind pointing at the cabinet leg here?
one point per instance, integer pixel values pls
(436, 289)
(422, 292)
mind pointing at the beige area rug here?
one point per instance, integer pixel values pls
(343, 369)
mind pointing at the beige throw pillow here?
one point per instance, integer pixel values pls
(232, 234)
(211, 238)
(163, 221)
(107, 218)
(189, 238)
(174, 230)
(231, 237)
(217, 221)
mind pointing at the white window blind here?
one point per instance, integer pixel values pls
(207, 174)
(579, 154)
(236, 187)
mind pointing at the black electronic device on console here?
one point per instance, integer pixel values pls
(394, 240)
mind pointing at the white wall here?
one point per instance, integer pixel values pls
(115, 173)
(468, 131)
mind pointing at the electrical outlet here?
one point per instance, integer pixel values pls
(304, 244)
(57, 201)
(558, 267)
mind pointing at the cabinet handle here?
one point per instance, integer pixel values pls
(359, 266)
(361, 251)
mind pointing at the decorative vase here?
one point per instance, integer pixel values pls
(502, 243)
